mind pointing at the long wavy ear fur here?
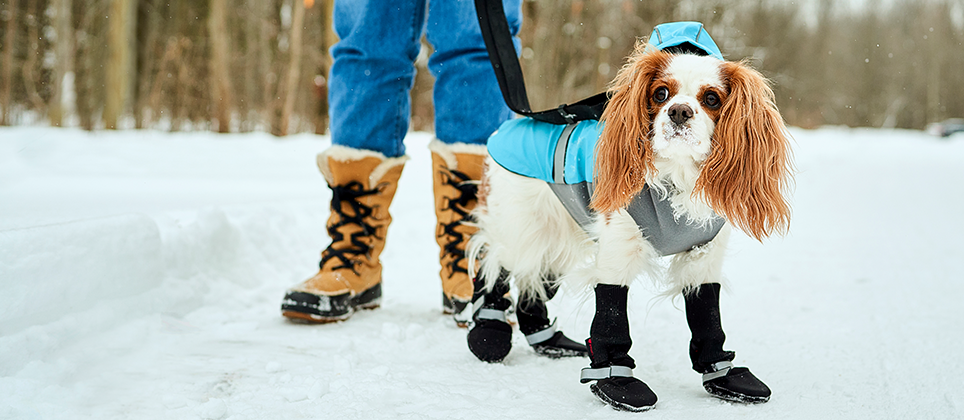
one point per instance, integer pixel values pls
(624, 155)
(747, 176)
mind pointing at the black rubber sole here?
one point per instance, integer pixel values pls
(320, 309)
(558, 353)
(727, 395)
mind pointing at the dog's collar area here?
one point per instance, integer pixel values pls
(541, 336)
(590, 374)
(718, 370)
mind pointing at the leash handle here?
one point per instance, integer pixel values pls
(508, 71)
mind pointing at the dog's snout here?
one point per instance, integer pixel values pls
(680, 113)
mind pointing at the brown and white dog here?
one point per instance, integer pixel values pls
(700, 134)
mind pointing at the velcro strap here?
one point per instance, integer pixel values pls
(493, 314)
(540, 336)
(590, 374)
(720, 369)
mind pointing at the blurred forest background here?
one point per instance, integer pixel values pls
(261, 65)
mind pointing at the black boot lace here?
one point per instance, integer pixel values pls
(467, 190)
(349, 194)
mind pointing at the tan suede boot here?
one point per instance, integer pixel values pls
(363, 184)
(456, 170)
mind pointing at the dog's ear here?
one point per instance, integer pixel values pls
(624, 156)
(748, 174)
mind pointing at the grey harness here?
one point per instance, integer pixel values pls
(653, 216)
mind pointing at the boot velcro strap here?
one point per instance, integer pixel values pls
(493, 314)
(719, 370)
(540, 336)
(590, 374)
(481, 312)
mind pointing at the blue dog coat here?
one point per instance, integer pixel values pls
(563, 156)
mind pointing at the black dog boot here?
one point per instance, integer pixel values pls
(490, 335)
(611, 367)
(541, 334)
(735, 384)
(720, 378)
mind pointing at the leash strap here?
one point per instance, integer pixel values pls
(505, 63)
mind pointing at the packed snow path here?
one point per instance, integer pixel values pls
(141, 275)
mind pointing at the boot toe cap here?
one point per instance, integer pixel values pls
(560, 346)
(490, 341)
(625, 393)
(739, 385)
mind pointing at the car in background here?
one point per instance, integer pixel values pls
(946, 127)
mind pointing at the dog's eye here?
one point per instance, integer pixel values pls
(661, 94)
(711, 100)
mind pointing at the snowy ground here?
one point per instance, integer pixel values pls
(141, 275)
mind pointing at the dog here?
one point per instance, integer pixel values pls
(689, 146)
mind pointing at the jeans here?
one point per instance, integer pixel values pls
(373, 72)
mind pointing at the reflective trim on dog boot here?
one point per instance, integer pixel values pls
(735, 384)
(589, 374)
(554, 344)
(540, 336)
(492, 315)
(718, 369)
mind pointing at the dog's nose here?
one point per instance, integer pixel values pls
(680, 113)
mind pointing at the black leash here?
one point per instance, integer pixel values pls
(502, 54)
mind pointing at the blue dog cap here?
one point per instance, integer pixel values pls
(678, 33)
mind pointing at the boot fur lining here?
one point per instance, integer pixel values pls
(348, 154)
(447, 151)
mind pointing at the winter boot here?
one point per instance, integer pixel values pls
(611, 366)
(541, 334)
(720, 378)
(456, 171)
(363, 184)
(490, 335)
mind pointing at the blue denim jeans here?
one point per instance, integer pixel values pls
(373, 72)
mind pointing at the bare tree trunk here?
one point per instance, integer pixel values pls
(254, 40)
(82, 67)
(147, 28)
(8, 45)
(271, 60)
(63, 57)
(220, 79)
(118, 62)
(31, 78)
(328, 38)
(293, 76)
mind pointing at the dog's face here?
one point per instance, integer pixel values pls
(714, 117)
(685, 103)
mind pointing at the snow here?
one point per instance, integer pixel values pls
(141, 274)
